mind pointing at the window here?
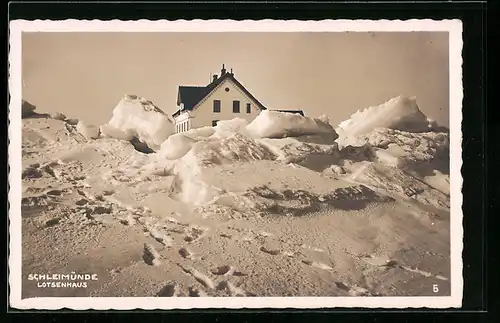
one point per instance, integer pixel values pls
(249, 110)
(214, 122)
(227, 89)
(236, 106)
(217, 106)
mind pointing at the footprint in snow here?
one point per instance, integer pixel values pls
(171, 289)
(200, 277)
(271, 251)
(151, 256)
(108, 192)
(195, 233)
(231, 289)
(317, 264)
(225, 235)
(159, 236)
(196, 292)
(353, 290)
(54, 192)
(185, 253)
(307, 247)
(227, 270)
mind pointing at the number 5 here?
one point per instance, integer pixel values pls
(435, 288)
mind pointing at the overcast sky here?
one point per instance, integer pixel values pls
(84, 75)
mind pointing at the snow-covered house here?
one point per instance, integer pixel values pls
(224, 98)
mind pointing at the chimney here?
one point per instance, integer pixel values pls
(232, 71)
(223, 70)
(214, 78)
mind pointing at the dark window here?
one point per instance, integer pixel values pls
(227, 89)
(236, 106)
(249, 110)
(214, 122)
(216, 105)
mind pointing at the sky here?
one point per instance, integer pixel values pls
(84, 75)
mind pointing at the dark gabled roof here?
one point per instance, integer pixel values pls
(190, 96)
(292, 111)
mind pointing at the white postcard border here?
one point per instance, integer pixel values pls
(17, 27)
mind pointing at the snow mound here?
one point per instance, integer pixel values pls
(396, 182)
(225, 128)
(176, 146)
(439, 181)
(307, 154)
(265, 200)
(143, 119)
(88, 131)
(409, 150)
(190, 188)
(179, 144)
(273, 124)
(400, 113)
(233, 149)
(188, 185)
(200, 133)
(419, 154)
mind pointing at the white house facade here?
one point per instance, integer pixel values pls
(223, 99)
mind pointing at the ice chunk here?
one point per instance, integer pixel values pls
(400, 113)
(225, 128)
(140, 117)
(176, 146)
(88, 131)
(274, 124)
(112, 132)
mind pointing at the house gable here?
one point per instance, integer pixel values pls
(194, 96)
(233, 85)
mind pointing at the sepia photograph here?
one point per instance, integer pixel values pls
(244, 166)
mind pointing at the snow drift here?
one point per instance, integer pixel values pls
(176, 146)
(273, 136)
(179, 144)
(236, 148)
(396, 182)
(273, 124)
(308, 154)
(303, 142)
(140, 118)
(399, 113)
(410, 149)
(419, 152)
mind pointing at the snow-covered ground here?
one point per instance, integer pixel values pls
(283, 206)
